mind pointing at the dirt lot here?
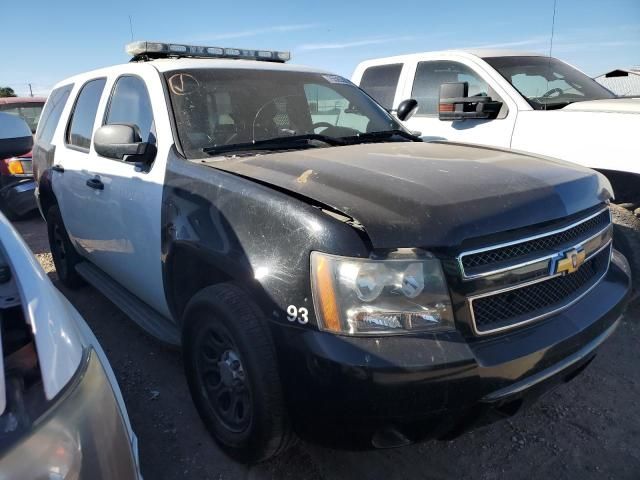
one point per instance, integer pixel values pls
(587, 429)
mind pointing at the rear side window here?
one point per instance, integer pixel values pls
(130, 105)
(84, 114)
(52, 112)
(381, 83)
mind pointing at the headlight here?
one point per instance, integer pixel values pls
(362, 296)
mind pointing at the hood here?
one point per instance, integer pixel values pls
(429, 194)
(614, 105)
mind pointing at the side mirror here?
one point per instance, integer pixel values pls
(407, 108)
(15, 136)
(121, 142)
(456, 104)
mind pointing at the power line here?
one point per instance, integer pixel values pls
(553, 26)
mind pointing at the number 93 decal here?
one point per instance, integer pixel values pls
(300, 314)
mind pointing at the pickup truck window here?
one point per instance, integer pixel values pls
(430, 75)
(83, 117)
(329, 107)
(30, 112)
(225, 107)
(130, 104)
(548, 83)
(381, 83)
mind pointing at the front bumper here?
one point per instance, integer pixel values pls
(394, 390)
(19, 197)
(83, 434)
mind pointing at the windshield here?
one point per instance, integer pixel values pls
(548, 83)
(30, 112)
(217, 109)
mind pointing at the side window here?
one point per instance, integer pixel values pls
(329, 108)
(84, 114)
(130, 104)
(52, 113)
(381, 83)
(429, 77)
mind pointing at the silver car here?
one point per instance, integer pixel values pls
(62, 415)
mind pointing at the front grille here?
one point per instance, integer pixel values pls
(515, 252)
(532, 301)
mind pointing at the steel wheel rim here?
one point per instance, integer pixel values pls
(223, 379)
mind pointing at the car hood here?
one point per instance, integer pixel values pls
(614, 105)
(428, 194)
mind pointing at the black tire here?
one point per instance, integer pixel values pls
(65, 257)
(626, 239)
(221, 326)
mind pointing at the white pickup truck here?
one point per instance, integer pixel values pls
(522, 101)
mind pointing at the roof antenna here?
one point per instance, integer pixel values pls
(553, 26)
(131, 27)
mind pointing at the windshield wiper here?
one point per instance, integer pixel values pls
(382, 135)
(310, 140)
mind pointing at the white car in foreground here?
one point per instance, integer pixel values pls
(61, 412)
(522, 101)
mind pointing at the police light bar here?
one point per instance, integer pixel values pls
(145, 50)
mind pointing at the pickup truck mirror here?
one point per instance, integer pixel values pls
(15, 136)
(122, 142)
(456, 104)
(406, 109)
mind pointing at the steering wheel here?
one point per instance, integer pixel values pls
(559, 91)
(321, 125)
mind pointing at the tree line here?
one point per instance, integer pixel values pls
(7, 92)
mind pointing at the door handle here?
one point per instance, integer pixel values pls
(58, 168)
(95, 183)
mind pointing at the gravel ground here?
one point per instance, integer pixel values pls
(587, 429)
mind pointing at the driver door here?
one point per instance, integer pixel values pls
(425, 88)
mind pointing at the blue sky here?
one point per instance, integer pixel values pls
(53, 40)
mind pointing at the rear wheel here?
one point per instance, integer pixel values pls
(63, 252)
(231, 368)
(626, 239)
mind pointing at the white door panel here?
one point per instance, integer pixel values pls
(483, 132)
(118, 227)
(126, 243)
(74, 154)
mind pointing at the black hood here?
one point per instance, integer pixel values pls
(429, 194)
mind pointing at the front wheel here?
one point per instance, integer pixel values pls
(231, 368)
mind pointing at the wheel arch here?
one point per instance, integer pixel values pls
(190, 268)
(626, 185)
(46, 196)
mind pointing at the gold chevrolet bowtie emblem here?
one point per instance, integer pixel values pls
(570, 261)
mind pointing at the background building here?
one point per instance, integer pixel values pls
(621, 81)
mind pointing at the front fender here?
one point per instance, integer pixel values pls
(217, 226)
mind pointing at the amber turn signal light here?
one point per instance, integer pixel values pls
(14, 166)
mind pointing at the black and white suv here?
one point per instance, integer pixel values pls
(323, 270)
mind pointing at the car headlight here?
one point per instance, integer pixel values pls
(370, 297)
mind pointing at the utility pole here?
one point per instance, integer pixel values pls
(30, 90)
